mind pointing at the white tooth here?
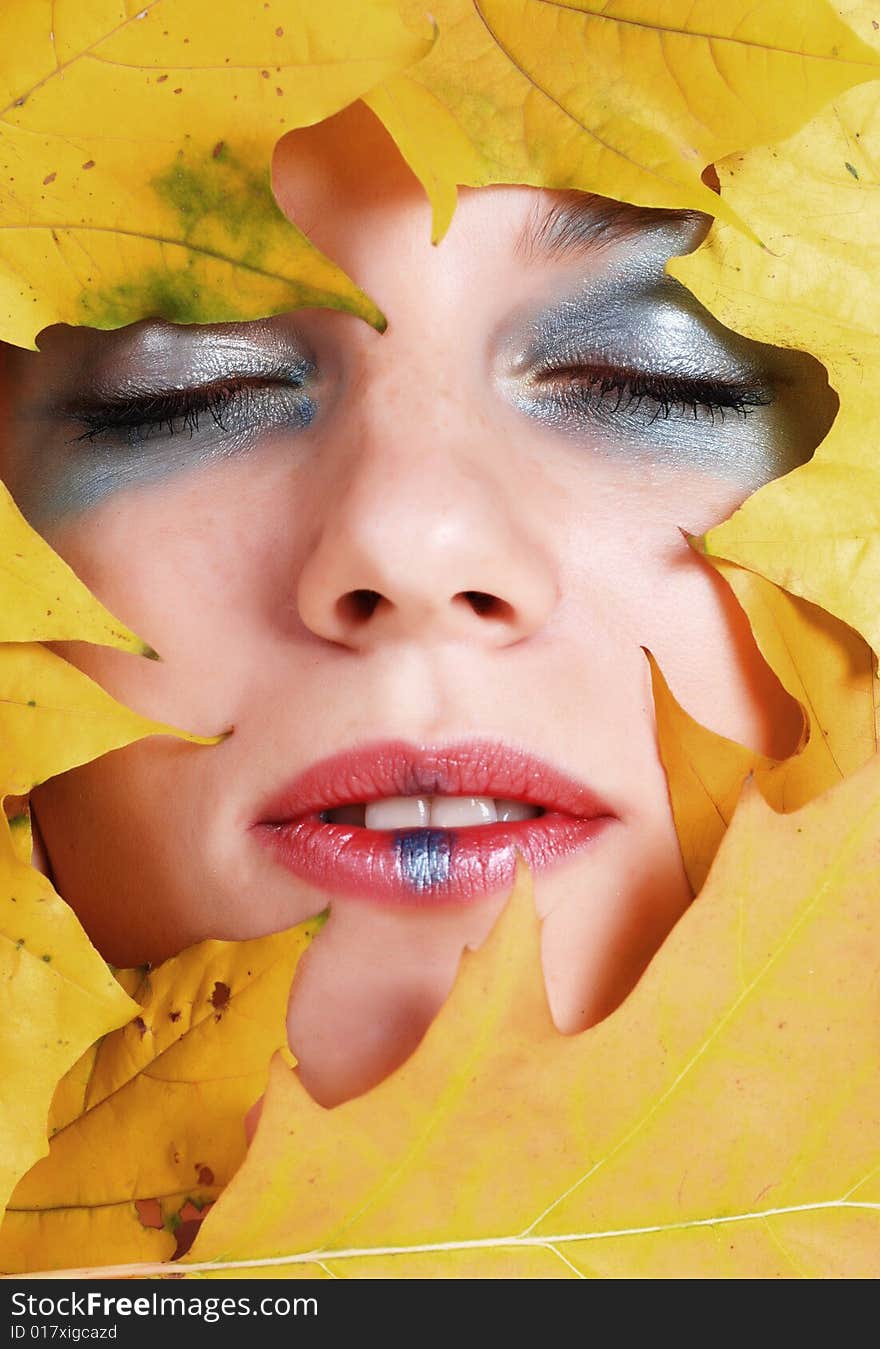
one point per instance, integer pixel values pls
(514, 810)
(450, 812)
(398, 812)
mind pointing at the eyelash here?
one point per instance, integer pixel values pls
(577, 388)
(178, 410)
(584, 388)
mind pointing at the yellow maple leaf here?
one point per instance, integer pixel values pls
(731, 1132)
(822, 663)
(57, 994)
(814, 200)
(41, 599)
(154, 1113)
(520, 91)
(53, 717)
(135, 154)
(56, 997)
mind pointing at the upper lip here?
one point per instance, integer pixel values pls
(398, 768)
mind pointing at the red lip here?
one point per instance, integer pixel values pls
(427, 865)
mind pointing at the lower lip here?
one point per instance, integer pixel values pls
(425, 866)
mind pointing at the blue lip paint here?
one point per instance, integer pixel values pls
(424, 857)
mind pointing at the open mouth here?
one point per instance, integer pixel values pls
(427, 812)
(403, 824)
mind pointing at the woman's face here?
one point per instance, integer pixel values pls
(460, 533)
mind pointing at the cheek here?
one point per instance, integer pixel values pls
(707, 652)
(188, 569)
(631, 561)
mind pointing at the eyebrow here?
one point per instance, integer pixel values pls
(582, 222)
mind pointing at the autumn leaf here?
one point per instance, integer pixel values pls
(815, 532)
(730, 1131)
(521, 91)
(56, 992)
(42, 600)
(135, 154)
(823, 664)
(53, 717)
(57, 996)
(153, 1116)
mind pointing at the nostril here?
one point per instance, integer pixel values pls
(358, 605)
(488, 606)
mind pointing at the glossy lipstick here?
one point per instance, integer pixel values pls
(419, 866)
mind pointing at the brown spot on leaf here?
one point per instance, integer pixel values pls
(150, 1212)
(89, 164)
(189, 1220)
(162, 79)
(710, 178)
(179, 90)
(279, 32)
(220, 996)
(205, 1174)
(186, 1233)
(140, 1024)
(218, 149)
(265, 74)
(173, 1016)
(49, 178)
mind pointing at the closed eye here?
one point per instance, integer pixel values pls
(611, 390)
(226, 403)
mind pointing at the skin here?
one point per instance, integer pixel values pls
(422, 464)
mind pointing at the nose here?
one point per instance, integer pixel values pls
(422, 535)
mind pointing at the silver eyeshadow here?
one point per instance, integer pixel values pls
(639, 323)
(623, 315)
(65, 463)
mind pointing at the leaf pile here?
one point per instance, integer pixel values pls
(630, 100)
(640, 1148)
(173, 215)
(171, 212)
(815, 531)
(149, 1124)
